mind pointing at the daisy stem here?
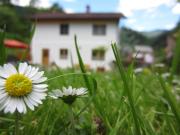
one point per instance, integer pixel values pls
(67, 75)
(16, 131)
(72, 130)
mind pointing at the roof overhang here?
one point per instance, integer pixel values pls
(77, 17)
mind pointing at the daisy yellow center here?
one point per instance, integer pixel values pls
(18, 85)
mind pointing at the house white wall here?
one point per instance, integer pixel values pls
(47, 36)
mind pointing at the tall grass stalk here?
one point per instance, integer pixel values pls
(91, 89)
(171, 99)
(82, 67)
(24, 56)
(176, 60)
(127, 84)
(69, 74)
(2, 46)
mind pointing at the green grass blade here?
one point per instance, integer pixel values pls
(176, 60)
(127, 88)
(119, 122)
(12, 120)
(33, 28)
(24, 56)
(2, 48)
(91, 99)
(82, 67)
(171, 99)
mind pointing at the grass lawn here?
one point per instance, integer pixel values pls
(108, 112)
(119, 102)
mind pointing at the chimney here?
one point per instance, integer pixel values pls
(87, 9)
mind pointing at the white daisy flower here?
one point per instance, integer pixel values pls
(68, 95)
(21, 87)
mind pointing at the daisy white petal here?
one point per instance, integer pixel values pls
(69, 91)
(81, 91)
(37, 75)
(2, 79)
(32, 101)
(39, 95)
(28, 103)
(5, 103)
(35, 98)
(2, 87)
(64, 88)
(52, 95)
(24, 106)
(7, 70)
(10, 68)
(8, 107)
(40, 90)
(2, 82)
(2, 100)
(74, 92)
(40, 86)
(22, 68)
(20, 105)
(15, 103)
(3, 95)
(56, 93)
(3, 73)
(33, 72)
(11, 107)
(40, 80)
(28, 71)
(2, 91)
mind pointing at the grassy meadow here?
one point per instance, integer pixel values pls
(105, 112)
(119, 102)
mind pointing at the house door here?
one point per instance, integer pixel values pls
(45, 57)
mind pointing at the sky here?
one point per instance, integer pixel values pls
(141, 15)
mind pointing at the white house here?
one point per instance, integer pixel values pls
(53, 41)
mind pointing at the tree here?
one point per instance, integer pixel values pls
(33, 3)
(56, 8)
(5, 2)
(131, 37)
(16, 18)
(16, 25)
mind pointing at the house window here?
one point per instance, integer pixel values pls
(63, 53)
(99, 29)
(64, 29)
(98, 54)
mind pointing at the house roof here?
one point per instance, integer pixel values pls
(77, 16)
